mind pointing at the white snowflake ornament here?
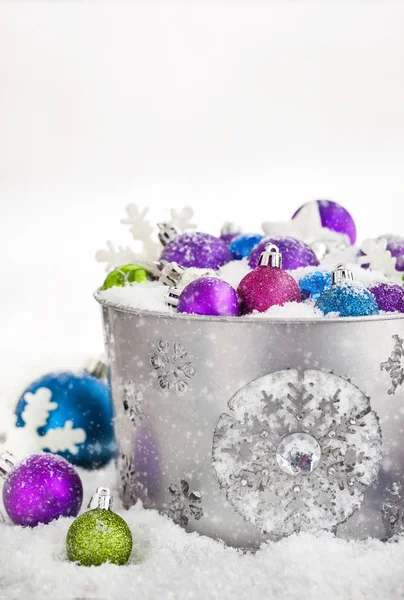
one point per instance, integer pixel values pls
(115, 257)
(379, 258)
(23, 441)
(182, 218)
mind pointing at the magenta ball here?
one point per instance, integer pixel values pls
(334, 217)
(295, 253)
(42, 488)
(265, 287)
(197, 249)
(209, 296)
(389, 296)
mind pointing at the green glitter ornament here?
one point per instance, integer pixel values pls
(99, 535)
(124, 275)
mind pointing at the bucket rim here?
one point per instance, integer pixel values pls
(244, 319)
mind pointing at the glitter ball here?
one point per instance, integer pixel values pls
(242, 245)
(335, 217)
(99, 536)
(265, 287)
(347, 300)
(197, 249)
(313, 284)
(295, 253)
(389, 296)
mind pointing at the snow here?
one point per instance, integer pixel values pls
(167, 562)
(150, 295)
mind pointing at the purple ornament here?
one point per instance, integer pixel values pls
(334, 217)
(209, 296)
(40, 489)
(389, 296)
(228, 237)
(295, 253)
(197, 249)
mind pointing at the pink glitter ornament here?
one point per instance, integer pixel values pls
(267, 285)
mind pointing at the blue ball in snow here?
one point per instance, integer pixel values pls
(242, 245)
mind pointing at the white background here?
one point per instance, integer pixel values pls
(243, 110)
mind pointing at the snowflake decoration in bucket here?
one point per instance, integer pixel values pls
(184, 504)
(144, 236)
(170, 362)
(132, 402)
(392, 510)
(26, 439)
(395, 364)
(299, 452)
(376, 255)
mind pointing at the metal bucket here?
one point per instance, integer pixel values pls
(251, 429)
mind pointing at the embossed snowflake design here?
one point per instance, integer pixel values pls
(395, 364)
(131, 489)
(392, 512)
(170, 360)
(298, 452)
(185, 504)
(132, 402)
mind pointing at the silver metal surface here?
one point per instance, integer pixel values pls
(7, 463)
(271, 257)
(341, 274)
(203, 404)
(101, 499)
(167, 233)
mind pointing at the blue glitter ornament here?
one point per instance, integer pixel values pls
(242, 245)
(69, 414)
(313, 284)
(346, 298)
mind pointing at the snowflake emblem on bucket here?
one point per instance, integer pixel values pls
(184, 504)
(131, 489)
(395, 364)
(298, 452)
(174, 370)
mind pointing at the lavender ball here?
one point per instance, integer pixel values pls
(295, 253)
(42, 488)
(209, 296)
(334, 217)
(389, 296)
(197, 249)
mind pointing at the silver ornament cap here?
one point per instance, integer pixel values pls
(173, 296)
(97, 368)
(271, 257)
(7, 463)
(102, 498)
(341, 274)
(167, 233)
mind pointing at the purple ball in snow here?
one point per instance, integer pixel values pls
(42, 488)
(197, 249)
(295, 253)
(228, 237)
(389, 296)
(209, 296)
(334, 217)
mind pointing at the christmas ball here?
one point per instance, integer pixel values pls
(395, 244)
(242, 245)
(295, 253)
(71, 415)
(229, 231)
(389, 296)
(209, 296)
(98, 536)
(335, 217)
(265, 287)
(347, 299)
(313, 284)
(40, 489)
(125, 275)
(197, 249)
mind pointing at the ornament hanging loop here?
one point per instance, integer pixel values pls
(172, 297)
(271, 257)
(7, 463)
(340, 274)
(167, 233)
(101, 499)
